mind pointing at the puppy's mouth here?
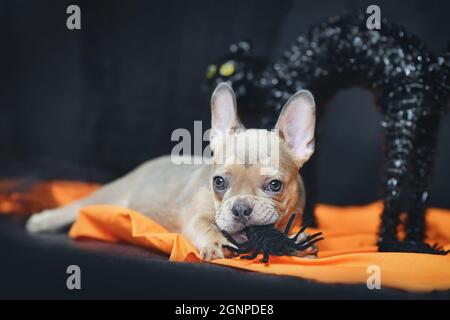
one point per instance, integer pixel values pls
(240, 236)
(237, 230)
(236, 225)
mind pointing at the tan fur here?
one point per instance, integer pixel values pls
(182, 197)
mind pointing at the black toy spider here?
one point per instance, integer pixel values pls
(266, 239)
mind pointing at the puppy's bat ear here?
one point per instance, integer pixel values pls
(296, 125)
(224, 118)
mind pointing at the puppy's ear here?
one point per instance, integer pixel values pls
(224, 118)
(296, 125)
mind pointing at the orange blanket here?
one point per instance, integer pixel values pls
(347, 255)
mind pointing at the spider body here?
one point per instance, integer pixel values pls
(266, 239)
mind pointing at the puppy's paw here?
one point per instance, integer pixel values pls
(36, 223)
(215, 250)
(40, 222)
(311, 252)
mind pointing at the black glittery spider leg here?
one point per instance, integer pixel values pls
(422, 165)
(400, 134)
(421, 173)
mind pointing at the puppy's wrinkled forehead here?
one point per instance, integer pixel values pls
(255, 149)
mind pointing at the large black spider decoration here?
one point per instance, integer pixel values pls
(268, 240)
(411, 87)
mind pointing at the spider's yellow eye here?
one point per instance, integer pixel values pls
(227, 69)
(211, 71)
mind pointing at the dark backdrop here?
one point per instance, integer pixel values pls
(94, 103)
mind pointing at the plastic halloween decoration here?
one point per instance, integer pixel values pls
(266, 239)
(411, 87)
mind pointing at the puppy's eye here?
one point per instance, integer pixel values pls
(219, 183)
(274, 186)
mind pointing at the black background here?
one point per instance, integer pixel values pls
(93, 103)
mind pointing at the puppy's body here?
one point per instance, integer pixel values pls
(230, 193)
(172, 199)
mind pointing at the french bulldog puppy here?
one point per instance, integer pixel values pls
(252, 178)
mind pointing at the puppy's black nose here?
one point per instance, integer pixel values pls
(241, 207)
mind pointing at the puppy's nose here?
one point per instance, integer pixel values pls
(241, 208)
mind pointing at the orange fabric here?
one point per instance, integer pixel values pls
(19, 199)
(345, 255)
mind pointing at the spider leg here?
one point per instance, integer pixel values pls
(230, 238)
(437, 248)
(239, 250)
(310, 238)
(299, 233)
(289, 224)
(265, 257)
(304, 246)
(251, 256)
(399, 150)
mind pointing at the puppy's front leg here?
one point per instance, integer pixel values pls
(207, 238)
